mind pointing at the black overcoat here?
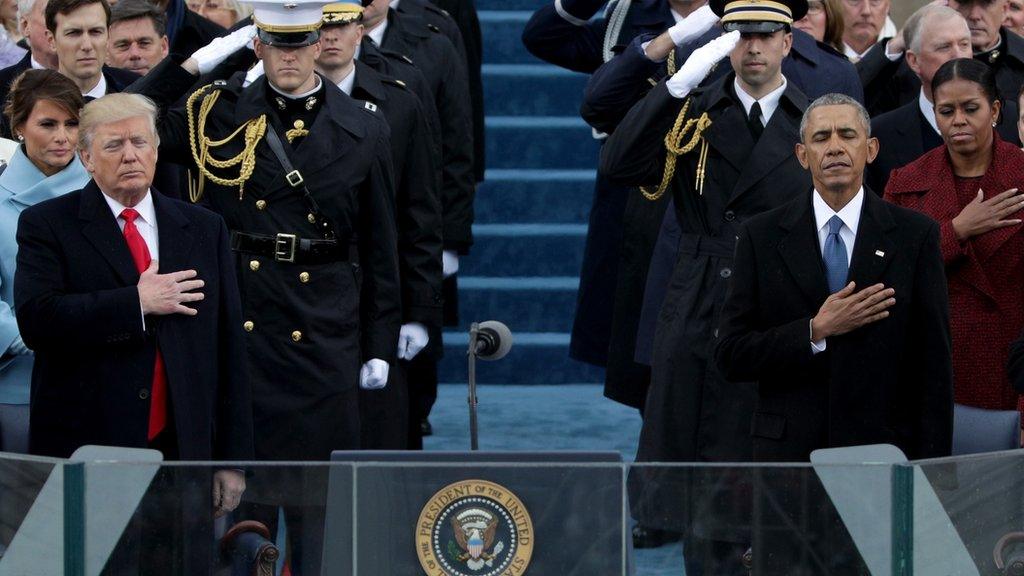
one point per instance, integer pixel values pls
(313, 325)
(691, 412)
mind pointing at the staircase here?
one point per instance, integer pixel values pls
(531, 213)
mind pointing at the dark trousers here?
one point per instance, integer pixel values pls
(171, 532)
(421, 374)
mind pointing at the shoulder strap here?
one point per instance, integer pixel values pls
(295, 180)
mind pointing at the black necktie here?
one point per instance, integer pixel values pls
(754, 121)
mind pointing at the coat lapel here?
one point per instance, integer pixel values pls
(800, 252)
(175, 237)
(872, 249)
(101, 230)
(728, 134)
(776, 143)
(333, 134)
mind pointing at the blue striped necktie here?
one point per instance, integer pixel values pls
(834, 255)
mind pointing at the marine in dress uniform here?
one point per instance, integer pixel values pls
(315, 244)
(435, 56)
(728, 162)
(384, 413)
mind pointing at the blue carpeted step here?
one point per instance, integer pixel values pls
(535, 358)
(532, 90)
(525, 250)
(561, 142)
(529, 5)
(534, 304)
(502, 32)
(534, 196)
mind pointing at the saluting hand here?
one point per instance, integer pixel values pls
(163, 294)
(845, 311)
(982, 215)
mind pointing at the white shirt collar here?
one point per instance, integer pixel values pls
(316, 86)
(769, 102)
(99, 90)
(394, 4)
(377, 34)
(928, 110)
(849, 214)
(147, 213)
(35, 65)
(677, 16)
(888, 31)
(348, 82)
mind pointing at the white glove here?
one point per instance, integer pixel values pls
(253, 74)
(412, 338)
(449, 262)
(208, 57)
(700, 63)
(374, 374)
(693, 26)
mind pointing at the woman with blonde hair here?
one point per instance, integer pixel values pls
(824, 21)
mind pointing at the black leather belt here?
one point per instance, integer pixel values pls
(290, 248)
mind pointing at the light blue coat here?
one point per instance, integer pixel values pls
(22, 185)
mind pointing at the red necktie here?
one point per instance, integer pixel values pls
(158, 396)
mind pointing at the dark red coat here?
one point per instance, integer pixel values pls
(985, 273)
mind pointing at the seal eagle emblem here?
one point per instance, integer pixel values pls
(474, 528)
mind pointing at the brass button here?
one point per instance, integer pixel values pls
(296, 336)
(311, 218)
(261, 204)
(248, 325)
(254, 265)
(304, 277)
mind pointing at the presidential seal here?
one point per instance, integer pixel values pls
(474, 528)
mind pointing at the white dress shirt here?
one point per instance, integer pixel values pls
(928, 110)
(146, 224)
(377, 34)
(769, 102)
(99, 90)
(35, 65)
(850, 215)
(348, 82)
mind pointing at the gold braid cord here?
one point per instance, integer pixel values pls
(675, 148)
(201, 145)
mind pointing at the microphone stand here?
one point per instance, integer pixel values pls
(474, 329)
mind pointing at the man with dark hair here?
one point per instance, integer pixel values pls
(137, 37)
(838, 311)
(384, 413)
(445, 71)
(742, 128)
(77, 31)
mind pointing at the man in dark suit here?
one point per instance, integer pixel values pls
(934, 34)
(730, 159)
(130, 302)
(889, 83)
(77, 33)
(837, 308)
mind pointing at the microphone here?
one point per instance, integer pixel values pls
(493, 340)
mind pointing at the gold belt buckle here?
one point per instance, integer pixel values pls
(284, 247)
